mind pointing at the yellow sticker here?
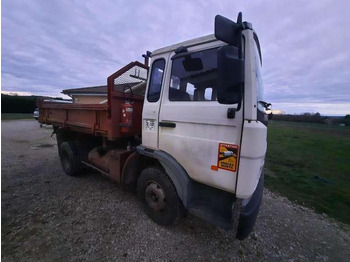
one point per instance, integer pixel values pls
(227, 157)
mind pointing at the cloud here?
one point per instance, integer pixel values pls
(325, 108)
(306, 56)
(16, 93)
(48, 46)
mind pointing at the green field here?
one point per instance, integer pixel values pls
(15, 116)
(310, 164)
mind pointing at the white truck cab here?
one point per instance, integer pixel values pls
(202, 120)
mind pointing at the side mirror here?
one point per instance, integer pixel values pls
(230, 75)
(228, 31)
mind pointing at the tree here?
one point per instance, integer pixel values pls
(347, 120)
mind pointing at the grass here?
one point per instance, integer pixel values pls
(309, 163)
(13, 116)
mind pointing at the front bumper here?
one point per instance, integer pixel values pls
(250, 211)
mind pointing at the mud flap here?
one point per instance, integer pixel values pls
(250, 211)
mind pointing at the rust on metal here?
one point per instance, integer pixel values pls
(110, 162)
(99, 119)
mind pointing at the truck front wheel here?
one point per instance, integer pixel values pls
(69, 158)
(158, 196)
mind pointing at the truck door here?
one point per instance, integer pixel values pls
(152, 103)
(193, 127)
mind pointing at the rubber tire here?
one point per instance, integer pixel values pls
(69, 158)
(174, 209)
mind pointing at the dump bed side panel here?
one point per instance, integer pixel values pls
(91, 119)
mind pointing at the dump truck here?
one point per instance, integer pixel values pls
(189, 131)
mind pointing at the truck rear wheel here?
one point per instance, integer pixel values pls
(158, 196)
(69, 158)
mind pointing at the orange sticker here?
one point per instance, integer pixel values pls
(215, 168)
(227, 157)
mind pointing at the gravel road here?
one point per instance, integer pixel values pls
(48, 216)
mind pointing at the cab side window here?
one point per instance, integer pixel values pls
(156, 79)
(193, 76)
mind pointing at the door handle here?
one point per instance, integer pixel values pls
(167, 124)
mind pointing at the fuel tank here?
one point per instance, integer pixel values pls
(111, 161)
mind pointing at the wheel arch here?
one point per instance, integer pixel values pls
(175, 171)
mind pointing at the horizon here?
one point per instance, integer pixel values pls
(68, 97)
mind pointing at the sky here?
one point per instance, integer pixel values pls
(48, 46)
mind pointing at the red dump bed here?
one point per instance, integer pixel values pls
(101, 119)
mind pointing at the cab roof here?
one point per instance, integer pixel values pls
(188, 43)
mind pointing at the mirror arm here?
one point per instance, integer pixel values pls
(239, 105)
(231, 112)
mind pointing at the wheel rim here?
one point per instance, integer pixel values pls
(65, 160)
(155, 196)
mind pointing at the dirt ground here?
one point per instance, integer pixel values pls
(49, 216)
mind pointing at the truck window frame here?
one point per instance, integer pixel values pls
(213, 97)
(154, 97)
(258, 71)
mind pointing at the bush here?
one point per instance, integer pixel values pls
(305, 117)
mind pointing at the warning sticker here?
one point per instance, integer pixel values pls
(227, 157)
